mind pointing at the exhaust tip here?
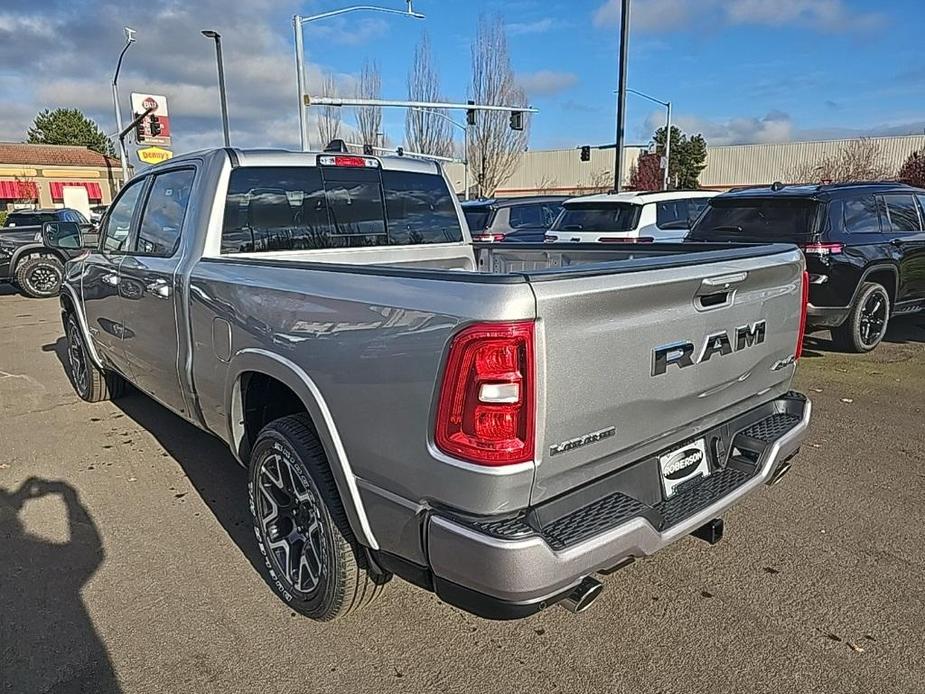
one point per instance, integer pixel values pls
(583, 595)
(779, 473)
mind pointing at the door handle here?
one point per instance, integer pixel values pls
(111, 279)
(712, 284)
(896, 242)
(160, 289)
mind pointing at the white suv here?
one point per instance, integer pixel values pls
(635, 217)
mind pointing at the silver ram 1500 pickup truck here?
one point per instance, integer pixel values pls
(497, 425)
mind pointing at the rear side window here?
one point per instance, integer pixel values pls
(862, 215)
(902, 212)
(307, 208)
(672, 214)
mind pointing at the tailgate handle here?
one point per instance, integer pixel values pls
(714, 284)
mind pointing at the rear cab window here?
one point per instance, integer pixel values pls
(309, 208)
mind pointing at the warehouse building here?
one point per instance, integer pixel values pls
(561, 171)
(36, 175)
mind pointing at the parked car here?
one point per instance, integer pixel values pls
(631, 217)
(496, 425)
(512, 219)
(864, 245)
(97, 212)
(27, 262)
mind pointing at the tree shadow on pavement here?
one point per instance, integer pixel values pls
(47, 640)
(208, 464)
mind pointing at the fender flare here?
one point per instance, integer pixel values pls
(36, 249)
(71, 302)
(877, 268)
(293, 376)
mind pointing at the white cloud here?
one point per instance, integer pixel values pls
(819, 15)
(537, 27)
(775, 126)
(546, 82)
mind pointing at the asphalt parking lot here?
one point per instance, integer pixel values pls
(126, 563)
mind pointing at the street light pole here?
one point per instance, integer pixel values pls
(621, 95)
(209, 34)
(298, 21)
(667, 105)
(465, 129)
(129, 40)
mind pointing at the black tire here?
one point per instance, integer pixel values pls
(292, 491)
(88, 381)
(867, 322)
(40, 276)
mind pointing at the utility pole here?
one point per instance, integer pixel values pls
(621, 95)
(129, 40)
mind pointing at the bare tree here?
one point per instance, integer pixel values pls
(329, 117)
(494, 148)
(858, 160)
(369, 118)
(425, 132)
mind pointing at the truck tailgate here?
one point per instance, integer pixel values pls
(632, 363)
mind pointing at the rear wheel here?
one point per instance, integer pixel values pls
(867, 322)
(39, 276)
(311, 558)
(89, 382)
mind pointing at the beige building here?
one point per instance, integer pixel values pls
(562, 171)
(35, 175)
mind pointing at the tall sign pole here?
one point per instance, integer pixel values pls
(621, 95)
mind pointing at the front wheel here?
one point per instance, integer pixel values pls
(40, 276)
(311, 558)
(89, 382)
(867, 322)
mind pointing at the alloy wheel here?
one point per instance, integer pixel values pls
(44, 279)
(289, 513)
(872, 321)
(77, 359)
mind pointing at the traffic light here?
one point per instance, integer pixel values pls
(368, 150)
(586, 153)
(400, 151)
(140, 132)
(154, 125)
(517, 120)
(470, 114)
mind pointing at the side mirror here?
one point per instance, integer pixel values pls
(64, 235)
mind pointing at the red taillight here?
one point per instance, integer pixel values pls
(803, 310)
(488, 237)
(485, 414)
(822, 248)
(629, 239)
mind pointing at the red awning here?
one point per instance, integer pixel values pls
(93, 189)
(18, 190)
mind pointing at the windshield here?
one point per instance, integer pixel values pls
(608, 217)
(743, 219)
(477, 217)
(26, 219)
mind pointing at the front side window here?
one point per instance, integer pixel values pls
(165, 209)
(902, 212)
(307, 208)
(119, 222)
(862, 215)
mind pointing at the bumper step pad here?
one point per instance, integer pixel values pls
(615, 509)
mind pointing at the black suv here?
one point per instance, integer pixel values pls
(512, 219)
(864, 245)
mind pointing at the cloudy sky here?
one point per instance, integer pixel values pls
(736, 70)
